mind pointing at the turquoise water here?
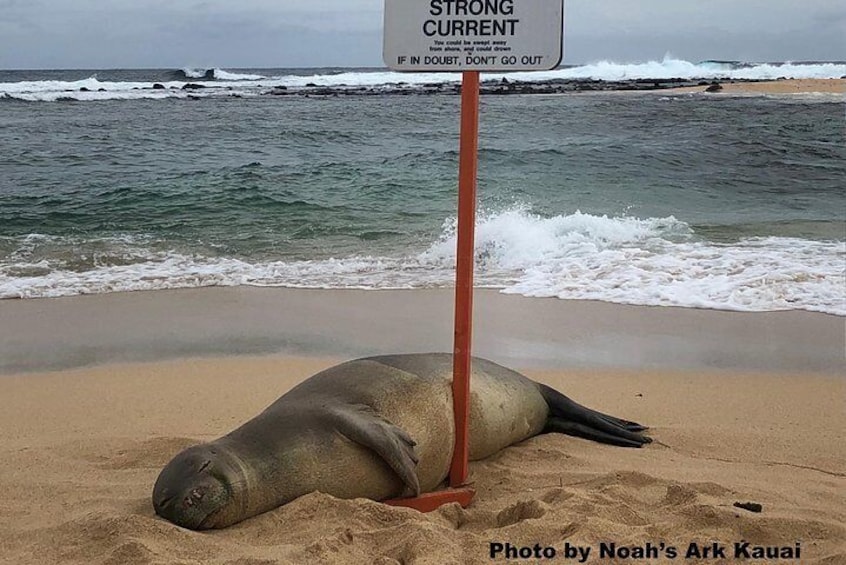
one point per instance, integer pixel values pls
(690, 200)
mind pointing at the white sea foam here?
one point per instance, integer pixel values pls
(221, 74)
(603, 70)
(194, 72)
(246, 84)
(670, 67)
(653, 261)
(108, 95)
(87, 89)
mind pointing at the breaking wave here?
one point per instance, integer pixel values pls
(214, 74)
(653, 261)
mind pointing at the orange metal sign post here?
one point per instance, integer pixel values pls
(424, 36)
(465, 254)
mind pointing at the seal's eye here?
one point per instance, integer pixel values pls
(204, 466)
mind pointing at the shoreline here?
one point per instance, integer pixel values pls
(60, 333)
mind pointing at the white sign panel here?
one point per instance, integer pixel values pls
(473, 35)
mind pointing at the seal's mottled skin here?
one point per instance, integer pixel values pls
(377, 428)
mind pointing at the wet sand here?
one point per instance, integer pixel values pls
(524, 332)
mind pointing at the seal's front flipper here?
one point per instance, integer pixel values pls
(362, 425)
(568, 417)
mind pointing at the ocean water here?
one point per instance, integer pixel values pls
(726, 202)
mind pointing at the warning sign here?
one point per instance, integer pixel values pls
(473, 35)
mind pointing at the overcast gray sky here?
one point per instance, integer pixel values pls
(312, 33)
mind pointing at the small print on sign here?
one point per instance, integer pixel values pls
(473, 35)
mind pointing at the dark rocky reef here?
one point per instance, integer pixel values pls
(494, 87)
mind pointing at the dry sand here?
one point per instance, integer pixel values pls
(81, 447)
(783, 86)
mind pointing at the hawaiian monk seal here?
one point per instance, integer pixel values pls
(373, 428)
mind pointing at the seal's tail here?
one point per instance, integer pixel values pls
(571, 418)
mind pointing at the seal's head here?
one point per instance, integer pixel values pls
(197, 489)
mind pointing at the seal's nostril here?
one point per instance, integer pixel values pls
(165, 502)
(204, 466)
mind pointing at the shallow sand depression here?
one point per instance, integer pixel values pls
(82, 446)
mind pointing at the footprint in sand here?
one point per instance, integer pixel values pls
(523, 510)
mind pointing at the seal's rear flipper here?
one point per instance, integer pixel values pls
(362, 425)
(581, 430)
(571, 418)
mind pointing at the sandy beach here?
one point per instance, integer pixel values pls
(782, 86)
(101, 391)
